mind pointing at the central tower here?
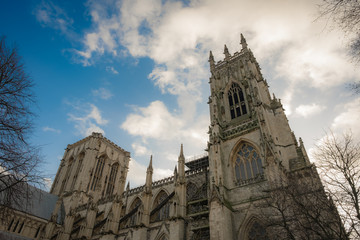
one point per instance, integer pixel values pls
(251, 145)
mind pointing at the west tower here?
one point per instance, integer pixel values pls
(251, 146)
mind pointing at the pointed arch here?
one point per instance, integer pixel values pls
(162, 236)
(246, 162)
(254, 229)
(133, 211)
(236, 101)
(160, 208)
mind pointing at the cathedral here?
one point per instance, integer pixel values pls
(229, 193)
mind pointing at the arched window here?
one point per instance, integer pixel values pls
(236, 101)
(113, 173)
(162, 207)
(67, 175)
(133, 218)
(257, 232)
(79, 164)
(248, 164)
(98, 172)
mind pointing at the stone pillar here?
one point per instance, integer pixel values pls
(86, 231)
(114, 216)
(68, 224)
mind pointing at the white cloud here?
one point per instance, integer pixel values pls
(103, 93)
(53, 16)
(112, 70)
(90, 122)
(49, 129)
(137, 173)
(349, 118)
(140, 150)
(155, 121)
(309, 110)
(48, 182)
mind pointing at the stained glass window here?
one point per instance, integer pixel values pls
(248, 164)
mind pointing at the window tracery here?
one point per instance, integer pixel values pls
(111, 184)
(248, 164)
(98, 172)
(236, 101)
(163, 212)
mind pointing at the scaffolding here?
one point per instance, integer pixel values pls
(198, 162)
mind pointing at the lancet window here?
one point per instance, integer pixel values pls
(236, 101)
(80, 160)
(112, 177)
(98, 172)
(67, 175)
(133, 218)
(163, 212)
(248, 164)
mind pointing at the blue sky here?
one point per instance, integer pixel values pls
(137, 71)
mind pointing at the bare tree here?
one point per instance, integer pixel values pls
(19, 160)
(346, 15)
(338, 158)
(301, 209)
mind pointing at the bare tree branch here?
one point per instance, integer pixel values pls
(19, 160)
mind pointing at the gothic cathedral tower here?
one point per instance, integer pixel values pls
(251, 146)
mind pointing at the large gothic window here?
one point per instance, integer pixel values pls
(79, 164)
(248, 164)
(161, 207)
(113, 173)
(98, 172)
(236, 101)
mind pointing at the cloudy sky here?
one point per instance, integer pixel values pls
(137, 70)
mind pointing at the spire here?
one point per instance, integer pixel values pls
(181, 165)
(211, 57)
(226, 52)
(181, 152)
(128, 187)
(211, 61)
(243, 41)
(149, 173)
(150, 164)
(175, 175)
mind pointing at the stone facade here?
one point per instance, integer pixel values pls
(221, 195)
